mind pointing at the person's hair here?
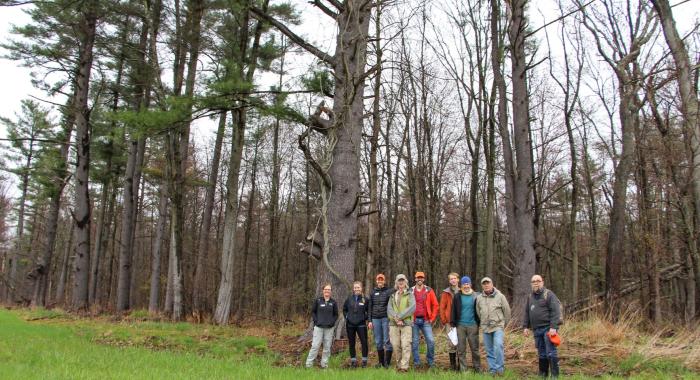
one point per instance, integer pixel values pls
(357, 283)
(453, 274)
(327, 285)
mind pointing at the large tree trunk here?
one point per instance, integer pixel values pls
(521, 228)
(81, 214)
(225, 296)
(344, 173)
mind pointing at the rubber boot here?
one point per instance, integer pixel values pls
(453, 361)
(554, 367)
(544, 368)
(381, 359)
(387, 359)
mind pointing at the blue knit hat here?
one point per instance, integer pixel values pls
(465, 280)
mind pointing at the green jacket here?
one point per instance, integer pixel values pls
(493, 311)
(401, 307)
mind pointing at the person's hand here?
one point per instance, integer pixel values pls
(370, 325)
(552, 332)
(526, 332)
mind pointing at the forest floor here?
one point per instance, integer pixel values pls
(52, 344)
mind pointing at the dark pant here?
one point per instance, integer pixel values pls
(546, 350)
(468, 334)
(360, 331)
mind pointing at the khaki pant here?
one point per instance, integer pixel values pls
(321, 335)
(468, 334)
(401, 338)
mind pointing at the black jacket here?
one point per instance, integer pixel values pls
(356, 311)
(378, 301)
(324, 313)
(542, 310)
(457, 309)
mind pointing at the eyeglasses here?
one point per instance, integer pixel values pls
(536, 281)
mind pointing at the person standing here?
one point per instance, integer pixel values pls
(379, 322)
(355, 310)
(400, 310)
(445, 311)
(494, 313)
(466, 320)
(424, 316)
(542, 314)
(324, 312)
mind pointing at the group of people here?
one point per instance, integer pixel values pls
(399, 315)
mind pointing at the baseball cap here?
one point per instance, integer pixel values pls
(486, 279)
(420, 274)
(381, 275)
(401, 277)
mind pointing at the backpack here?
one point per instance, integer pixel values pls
(545, 294)
(561, 307)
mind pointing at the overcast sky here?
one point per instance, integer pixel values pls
(15, 82)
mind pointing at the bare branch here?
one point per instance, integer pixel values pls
(324, 8)
(262, 16)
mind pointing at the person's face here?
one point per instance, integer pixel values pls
(537, 283)
(466, 287)
(420, 280)
(402, 284)
(327, 292)
(357, 289)
(487, 286)
(380, 282)
(454, 281)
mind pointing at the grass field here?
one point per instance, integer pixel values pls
(46, 344)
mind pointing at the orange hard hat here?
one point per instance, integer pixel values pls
(555, 339)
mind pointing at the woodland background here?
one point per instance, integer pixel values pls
(428, 135)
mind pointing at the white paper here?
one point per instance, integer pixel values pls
(452, 334)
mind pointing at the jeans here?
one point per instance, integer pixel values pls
(421, 325)
(321, 335)
(380, 328)
(360, 331)
(468, 334)
(546, 350)
(493, 342)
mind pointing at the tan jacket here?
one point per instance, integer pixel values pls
(493, 311)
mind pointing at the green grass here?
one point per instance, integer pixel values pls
(53, 345)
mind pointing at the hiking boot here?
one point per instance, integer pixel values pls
(453, 361)
(544, 368)
(380, 364)
(554, 367)
(364, 363)
(353, 363)
(387, 359)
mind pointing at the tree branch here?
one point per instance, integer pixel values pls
(324, 8)
(262, 16)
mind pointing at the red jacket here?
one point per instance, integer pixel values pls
(431, 304)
